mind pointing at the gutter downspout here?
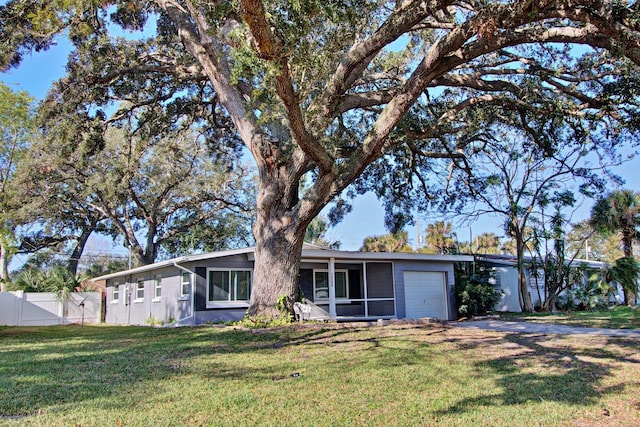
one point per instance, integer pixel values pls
(192, 280)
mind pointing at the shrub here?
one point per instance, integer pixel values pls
(475, 297)
(585, 296)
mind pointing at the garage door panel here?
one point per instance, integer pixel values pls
(425, 295)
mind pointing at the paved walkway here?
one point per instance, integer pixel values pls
(543, 328)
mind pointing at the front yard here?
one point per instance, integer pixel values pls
(619, 317)
(314, 375)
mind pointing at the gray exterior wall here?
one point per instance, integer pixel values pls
(220, 314)
(385, 280)
(129, 310)
(445, 267)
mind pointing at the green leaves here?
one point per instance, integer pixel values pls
(625, 271)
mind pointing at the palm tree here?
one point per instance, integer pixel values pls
(619, 212)
(625, 271)
(487, 243)
(440, 238)
(395, 242)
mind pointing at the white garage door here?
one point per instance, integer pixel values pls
(425, 295)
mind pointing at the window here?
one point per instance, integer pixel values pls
(185, 288)
(158, 286)
(321, 284)
(116, 292)
(229, 285)
(140, 290)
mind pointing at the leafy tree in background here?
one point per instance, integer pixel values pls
(327, 89)
(16, 131)
(518, 181)
(601, 246)
(549, 254)
(316, 233)
(395, 242)
(620, 211)
(168, 194)
(103, 265)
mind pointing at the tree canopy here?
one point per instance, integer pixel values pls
(161, 197)
(16, 133)
(328, 89)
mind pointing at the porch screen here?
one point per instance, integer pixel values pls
(321, 284)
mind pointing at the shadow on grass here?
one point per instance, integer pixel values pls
(41, 368)
(44, 367)
(541, 373)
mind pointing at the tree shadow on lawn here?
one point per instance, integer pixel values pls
(44, 367)
(542, 373)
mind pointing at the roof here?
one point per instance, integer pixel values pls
(309, 252)
(512, 260)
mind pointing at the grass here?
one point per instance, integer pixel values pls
(313, 375)
(619, 317)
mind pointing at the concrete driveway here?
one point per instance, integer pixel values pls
(540, 328)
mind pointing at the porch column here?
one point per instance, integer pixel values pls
(332, 288)
(365, 286)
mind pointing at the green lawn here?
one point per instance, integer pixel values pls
(620, 317)
(322, 375)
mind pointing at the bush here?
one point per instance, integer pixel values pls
(475, 297)
(588, 296)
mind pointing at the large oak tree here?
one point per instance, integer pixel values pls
(324, 89)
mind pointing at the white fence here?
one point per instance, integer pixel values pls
(42, 309)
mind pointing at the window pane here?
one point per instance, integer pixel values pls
(341, 284)
(322, 285)
(186, 283)
(242, 282)
(218, 286)
(158, 286)
(140, 290)
(116, 292)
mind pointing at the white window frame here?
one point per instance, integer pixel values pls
(229, 303)
(157, 287)
(185, 284)
(115, 297)
(346, 284)
(138, 289)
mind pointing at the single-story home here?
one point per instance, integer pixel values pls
(215, 287)
(502, 272)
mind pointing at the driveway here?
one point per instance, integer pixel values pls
(543, 328)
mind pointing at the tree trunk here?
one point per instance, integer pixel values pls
(141, 256)
(74, 259)
(4, 263)
(275, 274)
(627, 249)
(279, 239)
(550, 302)
(523, 292)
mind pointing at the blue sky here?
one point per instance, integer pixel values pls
(39, 70)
